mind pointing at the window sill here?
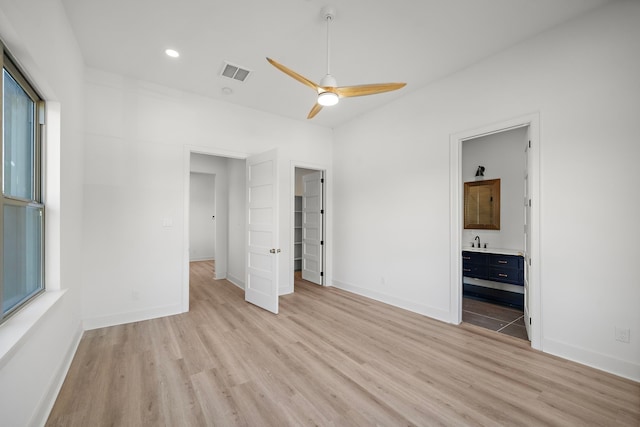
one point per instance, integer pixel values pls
(18, 326)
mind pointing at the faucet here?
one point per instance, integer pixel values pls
(478, 239)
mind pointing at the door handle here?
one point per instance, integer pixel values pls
(273, 251)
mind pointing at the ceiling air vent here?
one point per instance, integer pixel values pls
(235, 72)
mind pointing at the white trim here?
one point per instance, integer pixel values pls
(425, 310)
(594, 359)
(45, 405)
(235, 281)
(456, 206)
(197, 259)
(130, 316)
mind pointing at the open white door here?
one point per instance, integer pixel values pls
(312, 227)
(261, 284)
(527, 236)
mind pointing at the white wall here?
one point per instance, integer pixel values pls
(237, 249)
(392, 204)
(202, 221)
(503, 156)
(38, 35)
(136, 136)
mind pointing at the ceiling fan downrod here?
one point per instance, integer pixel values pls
(329, 14)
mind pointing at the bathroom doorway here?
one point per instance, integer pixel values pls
(492, 294)
(516, 164)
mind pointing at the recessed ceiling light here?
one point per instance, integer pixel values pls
(227, 90)
(172, 53)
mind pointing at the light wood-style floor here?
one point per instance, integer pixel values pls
(330, 358)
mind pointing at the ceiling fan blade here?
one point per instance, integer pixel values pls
(372, 89)
(293, 74)
(315, 110)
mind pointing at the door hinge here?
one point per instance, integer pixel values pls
(529, 202)
(529, 320)
(321, 274)
(529, 144)
(321, 242)
(321, 211)
(322, 180)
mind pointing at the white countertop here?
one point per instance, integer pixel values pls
(500, 251)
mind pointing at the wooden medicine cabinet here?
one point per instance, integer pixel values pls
(482, 205)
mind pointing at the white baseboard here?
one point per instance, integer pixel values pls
(135, 316)
(285, 290)
(595, 360)
(49, 398)
(201, 259)
(425, 310)
(238, 282)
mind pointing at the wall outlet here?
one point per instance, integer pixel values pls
(623, 334)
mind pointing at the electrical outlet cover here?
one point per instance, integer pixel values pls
(623, 335)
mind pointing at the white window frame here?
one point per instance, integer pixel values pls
(37, 201)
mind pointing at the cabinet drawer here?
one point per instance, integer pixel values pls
(474, 258)
(506, 261)
(507, 275)
(474, 270)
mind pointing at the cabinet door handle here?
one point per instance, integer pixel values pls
(466, 269)
(502, 275)
(466, 257)
(501, 261)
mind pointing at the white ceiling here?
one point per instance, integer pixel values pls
(372, 41)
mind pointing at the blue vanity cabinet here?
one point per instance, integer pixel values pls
(475, 264)
(496, 267)
(499, 272)
(506, 269)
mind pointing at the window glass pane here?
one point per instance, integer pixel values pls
(22, 252)
(18, 141)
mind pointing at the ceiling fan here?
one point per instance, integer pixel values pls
(329, 93)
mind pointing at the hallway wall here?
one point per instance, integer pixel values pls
(136, 137)
(202, 210)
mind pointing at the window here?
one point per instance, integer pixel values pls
(21, 207)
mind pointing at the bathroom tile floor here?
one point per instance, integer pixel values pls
(506, 320)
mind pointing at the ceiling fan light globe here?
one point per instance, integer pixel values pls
(327, 99)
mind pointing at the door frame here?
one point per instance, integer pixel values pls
(326, 220)
(456, 210)
(187, 150)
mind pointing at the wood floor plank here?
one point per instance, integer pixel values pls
(330, 358)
